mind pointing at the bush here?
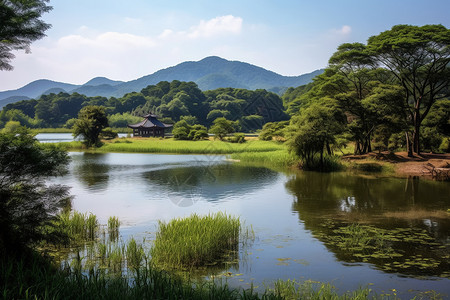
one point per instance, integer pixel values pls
(329, 164)
(237, 138)
(108, 134)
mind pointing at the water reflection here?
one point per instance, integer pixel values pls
(92, 171)
(213, 183)
(406, 216)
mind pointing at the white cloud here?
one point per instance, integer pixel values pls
(344, 30)
(217, 26)
(86, 53)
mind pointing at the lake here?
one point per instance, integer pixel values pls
(300, 219)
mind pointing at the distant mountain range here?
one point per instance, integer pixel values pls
(209, 73)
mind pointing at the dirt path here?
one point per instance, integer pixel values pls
(404, 165)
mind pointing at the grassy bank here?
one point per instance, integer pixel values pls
(280, 158)
(156, 145)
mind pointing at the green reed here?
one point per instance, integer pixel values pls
(195, 241)
(113, 228)
(135, 255)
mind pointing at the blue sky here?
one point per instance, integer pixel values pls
(125, 40)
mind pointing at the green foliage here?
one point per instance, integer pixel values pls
(108, 134)
(221, 128)
(122, 120)
(238, 137)
(20, 26)
(418, 57)
(273, 130)
(195, 241)
(91, 121)
(11, 127)
(27, 203)
(315, 130)
(181, 130)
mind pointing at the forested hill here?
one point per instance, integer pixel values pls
(209, 73)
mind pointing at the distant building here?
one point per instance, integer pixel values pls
(150, 126)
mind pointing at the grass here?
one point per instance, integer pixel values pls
(37, 278)
(279, 157)
(78, 226)
(169, 145)
(195, 241)
(113, 228)
(292, 289)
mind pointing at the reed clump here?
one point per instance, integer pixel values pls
(196, 240)
(78, 226)
(113, 228)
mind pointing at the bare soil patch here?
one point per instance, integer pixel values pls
(418, 165)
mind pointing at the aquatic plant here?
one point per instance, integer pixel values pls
(135, 255)
(195, 241)
(113, 228)
(292, 289)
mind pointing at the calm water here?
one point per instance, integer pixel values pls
(295, 216)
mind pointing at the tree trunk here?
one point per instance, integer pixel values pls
(416, 138)
(408, 145)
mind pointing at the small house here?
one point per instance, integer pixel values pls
(150, 126)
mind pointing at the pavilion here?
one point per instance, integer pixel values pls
(150, 126)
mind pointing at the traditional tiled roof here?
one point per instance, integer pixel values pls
(150, 121)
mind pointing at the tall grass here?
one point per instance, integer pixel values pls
(156, 145)
(113, 228)
(292, 289)
(36, 278)
(195, 241)
(276, 158)
(328, 164)
(78, 226)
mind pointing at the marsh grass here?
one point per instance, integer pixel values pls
(78, 226)
(292, 289)
(273, 158)
(113, 228)
(195, 241)
(330, 163)
(37, 278)
(169, 145)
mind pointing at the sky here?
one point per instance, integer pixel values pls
(125, 40)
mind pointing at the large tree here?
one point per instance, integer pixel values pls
(20, 25)
(419, 57)
(27, 203)
(91, 121)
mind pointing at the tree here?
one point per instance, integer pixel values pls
(419, 58)
(90, 123)
(314, 131)
(222, 127)
(27, 204)
(20, 25)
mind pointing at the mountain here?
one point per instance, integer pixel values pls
(214, 72)
(101, 81)
(209, 73)
(37, 88)
(12, 99)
